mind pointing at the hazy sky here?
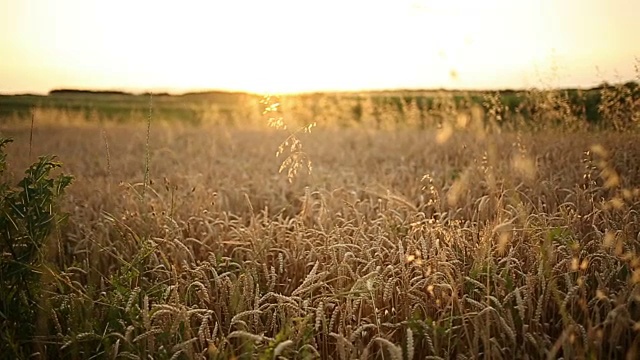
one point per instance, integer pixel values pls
(298, 45)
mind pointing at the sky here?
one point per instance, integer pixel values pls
(299, 45)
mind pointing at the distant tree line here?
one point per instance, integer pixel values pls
(605, 106)
(86, 92)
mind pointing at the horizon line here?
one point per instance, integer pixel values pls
(195, 91)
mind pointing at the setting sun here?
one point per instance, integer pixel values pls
(291, 46)
(337, 179)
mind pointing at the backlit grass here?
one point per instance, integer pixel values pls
(460, 232)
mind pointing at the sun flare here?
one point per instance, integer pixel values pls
(289, 46)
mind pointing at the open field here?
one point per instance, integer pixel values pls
(347, 108)
(459, 239)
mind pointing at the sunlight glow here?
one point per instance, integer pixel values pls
(287, 46)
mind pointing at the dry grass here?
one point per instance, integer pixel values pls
(399, 244)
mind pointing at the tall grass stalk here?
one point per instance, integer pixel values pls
(147, 151)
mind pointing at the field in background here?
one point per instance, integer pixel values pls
(441, 226)
(380, 109)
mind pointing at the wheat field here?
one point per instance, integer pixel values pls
(450, 242)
